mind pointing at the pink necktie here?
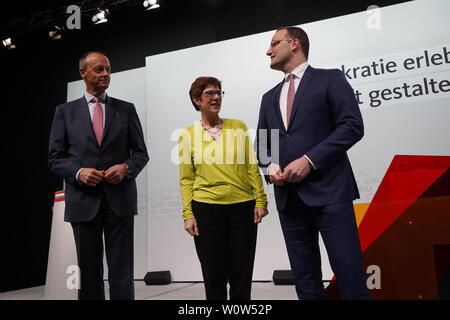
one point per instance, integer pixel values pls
(290, 98)
(97, 121)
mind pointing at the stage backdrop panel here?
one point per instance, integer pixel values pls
(405, 110)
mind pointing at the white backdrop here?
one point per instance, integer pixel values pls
(404, 126)
(408, 125)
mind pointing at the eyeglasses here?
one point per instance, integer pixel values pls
(273, 44)
(212, 94)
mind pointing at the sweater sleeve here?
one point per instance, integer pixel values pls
(187, 173)
(253, 172)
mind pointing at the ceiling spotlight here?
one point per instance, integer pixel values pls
(151, 4)
(55, 33)
(8, 43)
(101, 16)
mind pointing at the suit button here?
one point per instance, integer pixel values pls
(287, 135)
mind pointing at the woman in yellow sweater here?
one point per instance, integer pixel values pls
(222, 193)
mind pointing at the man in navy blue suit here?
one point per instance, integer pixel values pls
(97, 146)
(317, 118)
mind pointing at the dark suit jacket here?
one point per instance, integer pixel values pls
(73, 146)
(325, 122)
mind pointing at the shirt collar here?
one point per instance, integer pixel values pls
(89, 97)
(298, 72)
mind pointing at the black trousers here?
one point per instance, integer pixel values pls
(226, 248)
(119, 237)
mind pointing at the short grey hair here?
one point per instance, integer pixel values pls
(85, 55)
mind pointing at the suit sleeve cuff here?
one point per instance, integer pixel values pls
(77, 176)
(314, 167)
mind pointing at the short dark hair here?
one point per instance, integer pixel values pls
(300, 34)
(199, 85)
(85, 55)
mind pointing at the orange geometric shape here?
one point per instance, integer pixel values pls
(360, 211)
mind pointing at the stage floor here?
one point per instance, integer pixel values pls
(173, 291)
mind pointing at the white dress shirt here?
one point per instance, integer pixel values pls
(298, 72)
(91, 104)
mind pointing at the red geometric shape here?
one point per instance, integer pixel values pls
(406, 179)
(405, 188)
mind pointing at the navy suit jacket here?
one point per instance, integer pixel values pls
(73, 146)
(325, 122)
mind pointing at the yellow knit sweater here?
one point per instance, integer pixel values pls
(223, 172)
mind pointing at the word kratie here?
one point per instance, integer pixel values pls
(408, 89)
(227, 309)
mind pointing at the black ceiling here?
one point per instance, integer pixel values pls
(10, 10)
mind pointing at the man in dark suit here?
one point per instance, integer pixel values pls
(97, 146)
(317, 118)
